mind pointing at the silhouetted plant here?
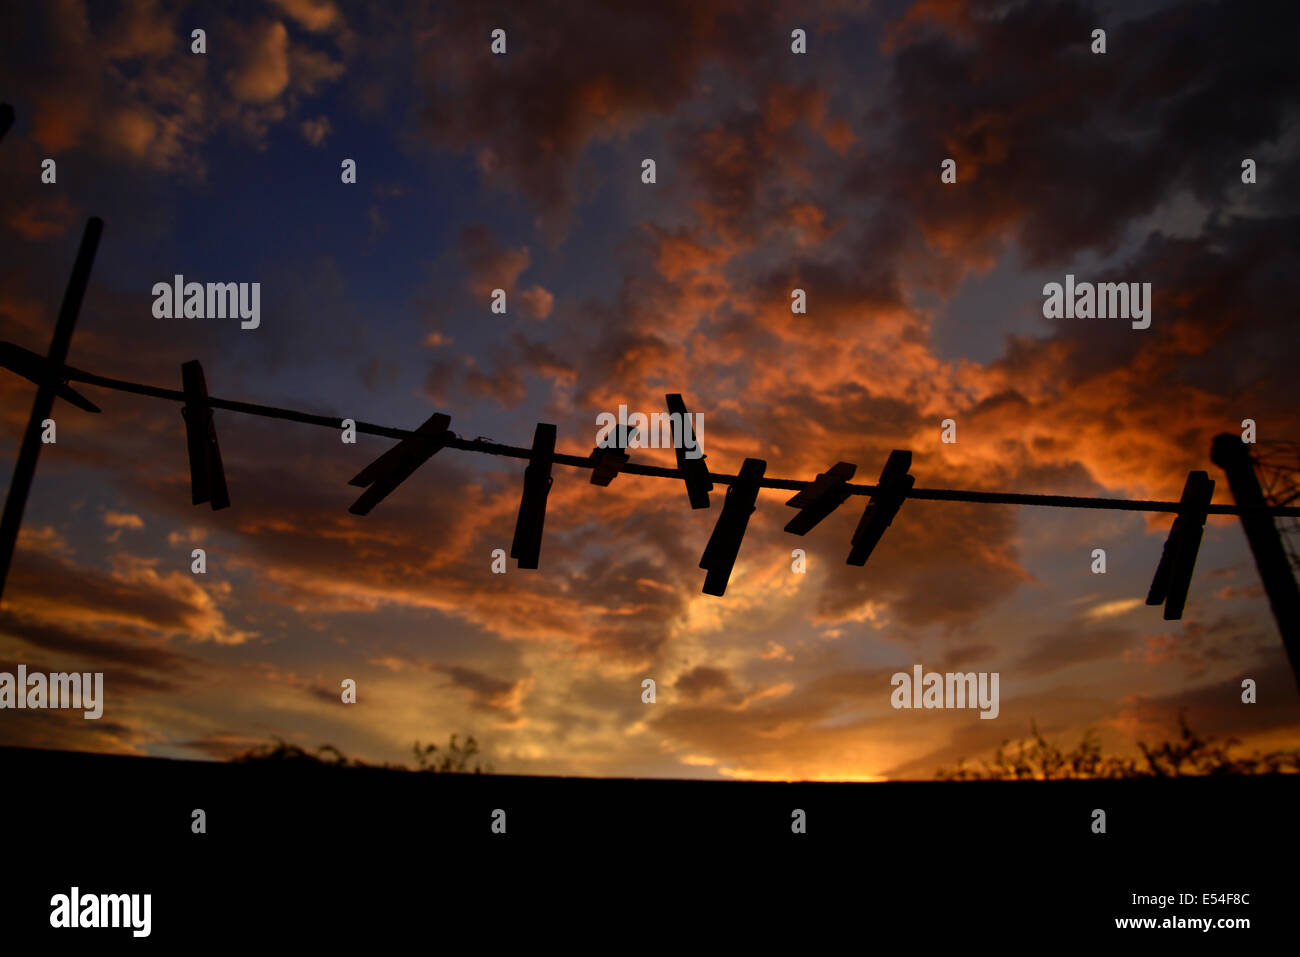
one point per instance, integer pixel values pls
(1037, 759)
(455, 760)
(282, 752)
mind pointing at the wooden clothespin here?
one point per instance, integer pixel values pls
(396, 465)
(608, 460)
(825, 495)
(607, 464)
(724, 544)
(1173, 575)
(527, 544)
(890, 492)
(207, 476)
(694, 472)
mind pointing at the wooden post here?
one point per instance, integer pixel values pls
(1233, 456)
(25, 468)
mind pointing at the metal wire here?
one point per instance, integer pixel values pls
(488, 447)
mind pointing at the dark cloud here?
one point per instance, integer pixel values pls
(68, 728)
(1074, 643)
(1062, 148)
(923, 567)
(701, 680)
(486, 692)
(102, 647)
(1216, 708)
(526, 116)
(224, 746)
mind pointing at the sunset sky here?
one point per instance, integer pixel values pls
(523, 172)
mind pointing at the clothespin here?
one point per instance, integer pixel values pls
(527, 544)
(607, 463)
(36, 368)
(1174, 573)
(609, 459)
(890, 492)
(6, 119)
(396, 465)
(694, 472)
(207, 477)
(825, 495)
(724, 544)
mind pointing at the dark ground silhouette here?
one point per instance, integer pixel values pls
(294, 843)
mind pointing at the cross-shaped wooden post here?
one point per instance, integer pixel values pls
(51, 380)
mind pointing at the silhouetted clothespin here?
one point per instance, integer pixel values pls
(1174, 573)
(891, 490)
(608, 460)
(35, 367)
(6, 119)
(694, 472)
(724, 544)
(608, 463)
(825, 495)
(397, 464)
(207, 477)
(527, 544)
